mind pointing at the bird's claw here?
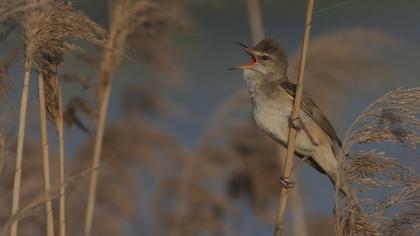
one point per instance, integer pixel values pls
(287, 182)
(296, 123)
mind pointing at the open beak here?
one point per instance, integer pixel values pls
(250, 53)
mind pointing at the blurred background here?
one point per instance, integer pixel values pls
(181, 153)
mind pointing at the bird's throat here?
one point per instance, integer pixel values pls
(253, 79)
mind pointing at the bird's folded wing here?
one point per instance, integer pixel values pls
(313, 111)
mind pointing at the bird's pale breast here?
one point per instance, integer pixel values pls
(272, 113)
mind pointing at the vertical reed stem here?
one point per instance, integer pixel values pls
(111, 55)
(19, 150)
(45, 154)
(96, 160)
(255, 20)
(60, 135)
(295, 114)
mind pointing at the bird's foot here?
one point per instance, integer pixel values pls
(287, 182)
(296, 123)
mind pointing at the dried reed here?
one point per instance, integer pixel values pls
(128, 19)
(42, 198)
(257, 30)
(47, 29)
(343, 61)
(255, 20)
(295, 115)
(11, 10)
(392, 118)
(45, 153)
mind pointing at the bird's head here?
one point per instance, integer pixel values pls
(267, 59)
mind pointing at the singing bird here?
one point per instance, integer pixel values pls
(272, 96)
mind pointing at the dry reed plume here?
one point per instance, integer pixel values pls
(393, 118)
(342, 61)
(47, 30)
(128, 20)
(130, 144)
(225, 183)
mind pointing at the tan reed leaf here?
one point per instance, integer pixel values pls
(78, 105)
(76, 78)
(42, 198)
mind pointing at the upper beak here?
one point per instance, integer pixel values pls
(250, 52)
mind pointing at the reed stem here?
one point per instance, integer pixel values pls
(295, 115)
(255, 20)
(19, 150)
(45, 154)
(60, 135)
(96, 160)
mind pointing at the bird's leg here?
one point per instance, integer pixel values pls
(287, 182)
(297, 124)
(299, 163)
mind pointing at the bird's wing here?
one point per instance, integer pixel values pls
(313, 111)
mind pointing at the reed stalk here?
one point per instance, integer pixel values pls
(295, 115)
(45, 153)
(96, 160)
(255, 20)
(110, 59)
(60, 135)
(19, 150)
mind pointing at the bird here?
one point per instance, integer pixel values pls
(272, 96)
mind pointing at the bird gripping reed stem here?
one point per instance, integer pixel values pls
(295, 115)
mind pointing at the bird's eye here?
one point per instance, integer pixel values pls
(265, 58)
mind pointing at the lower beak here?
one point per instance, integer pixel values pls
(250, 53)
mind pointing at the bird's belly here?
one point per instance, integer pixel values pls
(273, 118)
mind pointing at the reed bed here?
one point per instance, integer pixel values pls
(132, 174)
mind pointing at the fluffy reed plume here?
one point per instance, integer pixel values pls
(47, 30)
(393, 118)
(130, 144)
(10, 9)
(154, 45)
(10, 12)
(341, 62)
(128, 19)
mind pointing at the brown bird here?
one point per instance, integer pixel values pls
(272, 96)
